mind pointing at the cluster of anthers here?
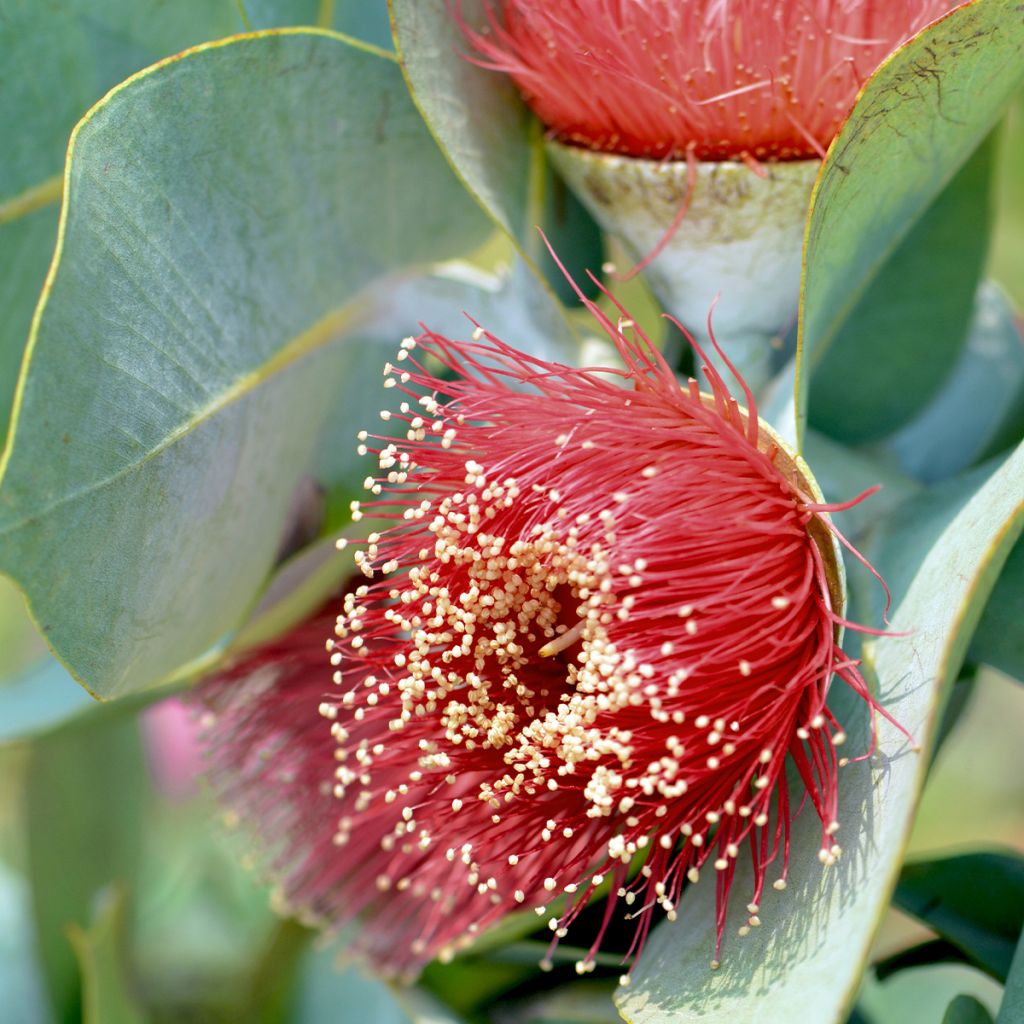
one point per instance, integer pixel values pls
(600, 620)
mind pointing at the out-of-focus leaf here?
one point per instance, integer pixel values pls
(85, 796)
(920, 116)
(980, 409)
(857, 1016)
(491, 139)
(269, 991)
(959, 700)
(966, 1010)
(106, 997)
(20, 644)
(574, 235)
(999, 638)
(38, 699)
(903, 338)
(937, 951)
(324, 989)
(1008, 236)
(363, 19)
(21, 985)
(470, 984)
(816, 936)
(1011, 1010)
(191, 346)
(923, 994)
(975, 901)
(579, 1002)
(300, 586)
(974, 798)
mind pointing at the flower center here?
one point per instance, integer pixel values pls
(502, 638)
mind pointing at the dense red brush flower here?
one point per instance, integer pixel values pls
(771, 79)
(602, 621)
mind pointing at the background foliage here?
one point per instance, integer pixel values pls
(246, 230)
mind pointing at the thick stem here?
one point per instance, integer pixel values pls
(738, 247)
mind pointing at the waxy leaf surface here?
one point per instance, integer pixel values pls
(226, 212)
(56, 60)
(920, 116)
(816, 935)
(979, 410)
(491, 139)
(902, 340)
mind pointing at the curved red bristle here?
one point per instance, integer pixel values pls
(594, 634)
(724, 79)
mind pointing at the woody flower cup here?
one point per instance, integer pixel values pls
(693, 130)
(590, 658)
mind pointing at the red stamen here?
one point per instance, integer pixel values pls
(595, 633)
(727, 79)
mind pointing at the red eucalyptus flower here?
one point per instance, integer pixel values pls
(602, 622)
(772, 79)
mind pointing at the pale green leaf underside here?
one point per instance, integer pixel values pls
(226, 212)
(484, 129)
(921, 115)
(476, 115)
(810, 950)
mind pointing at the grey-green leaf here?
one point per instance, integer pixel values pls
(980, 408)
(815, 937)
(1011, 1009)
(999, 638)
(86, 792)
(492, 141)
(56, 60)
(227, 211)
(966, 1010)
(975, 901)
(476, 116)
(922, 113)
(902, 340)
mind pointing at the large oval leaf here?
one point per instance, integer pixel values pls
(492, 141)
(921, 115)
(979, 411)
(55, 61)
(226, 210)
(902, 341)
(816, 935)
